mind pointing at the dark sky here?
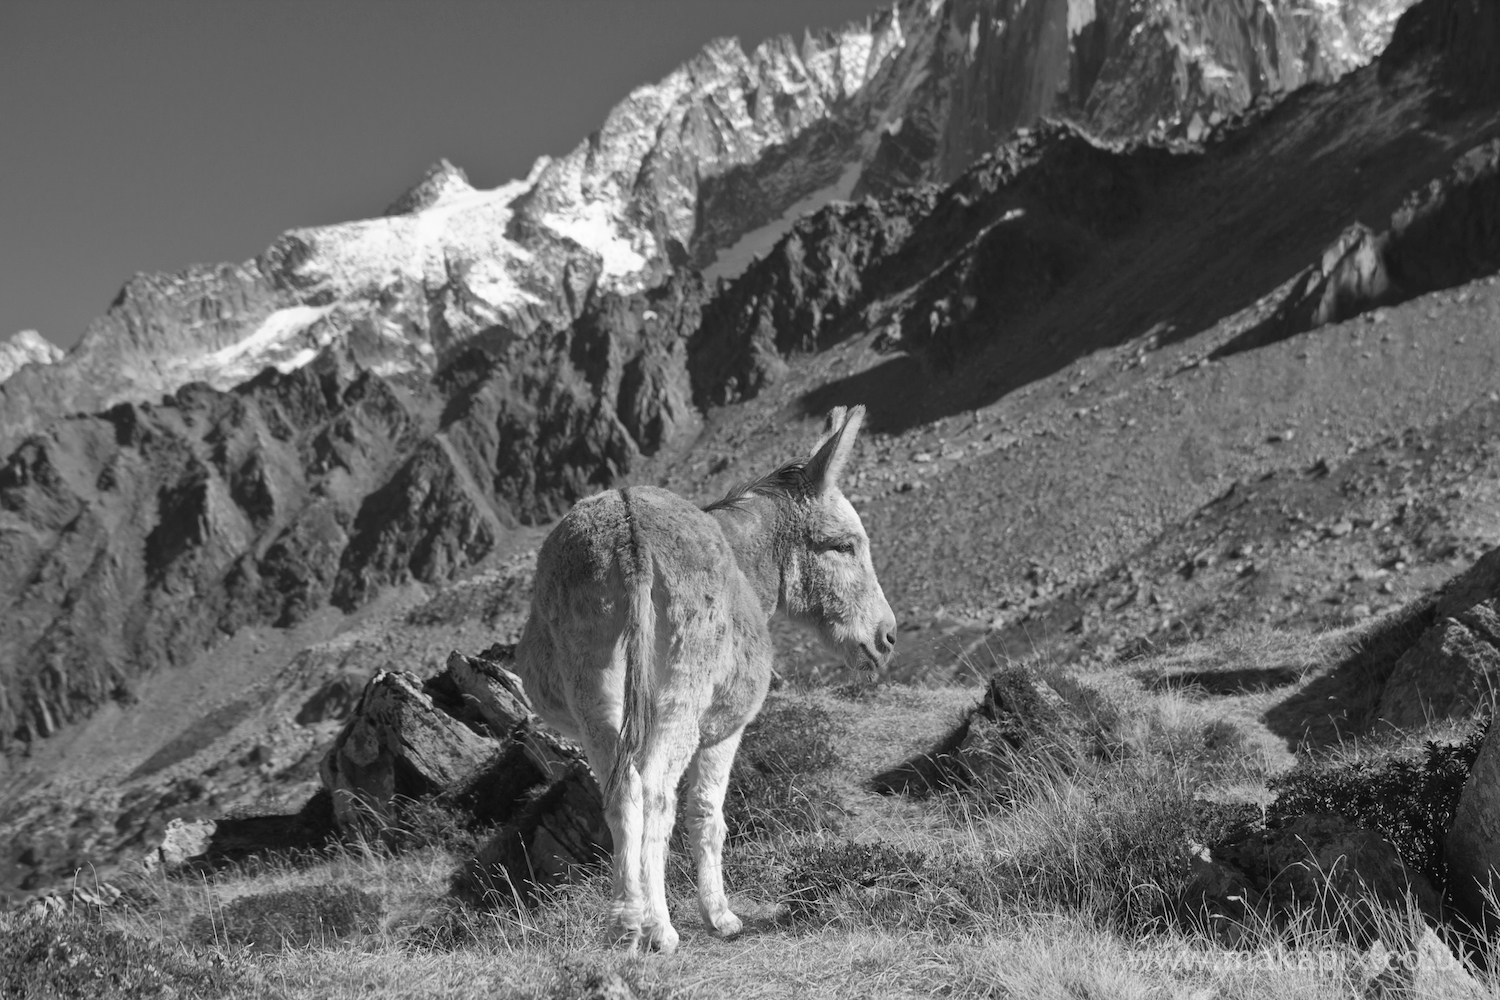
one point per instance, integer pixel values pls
(146, 135)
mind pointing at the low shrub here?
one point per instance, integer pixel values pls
(874, 872)
(70, 956)
(1408, 798)
(292, 918)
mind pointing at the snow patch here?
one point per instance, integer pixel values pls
(1081, 14)
(277, 327)
(731, 261)
(591, 227)
(297, 360)
(26, 347)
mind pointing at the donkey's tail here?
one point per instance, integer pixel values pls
(639, 642)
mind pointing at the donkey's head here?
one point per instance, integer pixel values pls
(828, 580)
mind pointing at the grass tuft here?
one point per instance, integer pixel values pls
(773, 788)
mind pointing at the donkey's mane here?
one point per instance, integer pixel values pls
(787, 483)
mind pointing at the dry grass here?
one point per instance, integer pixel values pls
(1060, 887)
(426, 947)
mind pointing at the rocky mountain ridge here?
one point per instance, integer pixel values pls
(707, 167)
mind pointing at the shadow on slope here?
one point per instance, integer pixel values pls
(1056, 246)
(1342, 702)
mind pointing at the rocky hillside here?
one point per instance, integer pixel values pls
(1101, 358)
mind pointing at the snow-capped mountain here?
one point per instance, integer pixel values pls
(25, 348)
(708, 167)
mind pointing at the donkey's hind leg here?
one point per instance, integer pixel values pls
(664, 760)
(708, 780)
(623, 814)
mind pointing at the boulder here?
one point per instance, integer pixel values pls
(1220, 900)
(1341, 874)
(1472, 846)
(1449, 672)
(497, 693)
(183, 841)
(1452, 668)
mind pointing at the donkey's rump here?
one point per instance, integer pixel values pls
(605, 552)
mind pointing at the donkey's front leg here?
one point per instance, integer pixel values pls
(708, 780)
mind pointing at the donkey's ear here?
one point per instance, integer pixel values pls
(827, 463)
(831, 426)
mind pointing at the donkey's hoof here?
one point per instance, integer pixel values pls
(661, 938)
(726, 924)
(626, 934)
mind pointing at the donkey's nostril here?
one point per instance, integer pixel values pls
(890, 638)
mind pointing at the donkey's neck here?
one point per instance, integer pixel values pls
(751, 528)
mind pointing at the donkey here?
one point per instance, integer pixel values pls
(649, 643)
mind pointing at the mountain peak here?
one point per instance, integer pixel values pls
(441, 181)
(26, 347)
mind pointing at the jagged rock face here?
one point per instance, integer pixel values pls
(558, 415)
(1181, 68)
(132, 539)
(799, 298)
(26, 348)
(1121, 68)
(1027, 221)
(135, 536)
(922, 265)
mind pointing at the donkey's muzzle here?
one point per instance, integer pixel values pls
(879, 653)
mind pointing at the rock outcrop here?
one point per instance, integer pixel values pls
(467, 739)
(1445, 234)
(397, 745)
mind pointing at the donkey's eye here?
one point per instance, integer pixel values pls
(844, 545)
